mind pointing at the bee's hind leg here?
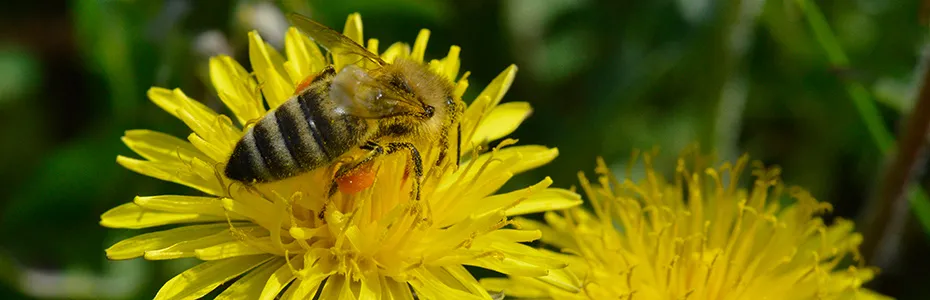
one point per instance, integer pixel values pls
(375, 151)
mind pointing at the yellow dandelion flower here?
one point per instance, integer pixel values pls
(373, 244)
(695, 236)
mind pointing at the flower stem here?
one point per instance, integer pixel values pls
(889, 209)
(888, 217)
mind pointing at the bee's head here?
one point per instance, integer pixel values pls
(418, 83)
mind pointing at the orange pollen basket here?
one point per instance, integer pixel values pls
(304, 84)
(357, 180)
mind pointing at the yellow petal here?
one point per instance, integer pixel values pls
(304, 289)
(236, 88)
(310, 277)
(157, 146)
(268, 66)
(499, 86)
(219, 131)
(451, 63)
(192, 174)
(279, 279)
(452, 237)
(559, 239)
(137, 245)
(510, 266)
(352, 30)
(457, 276)
(370, 286)
(436, 66)
(549, 199)
(231, 249)
(562, 279)
(188, 248)
(533, 157)
(487, 100)
(133, 216)
(202, 120)
(395, 290)
(372, 46)
(481, 177)
(460, 87)
(288, 293)
(514, 235)
(428, 286)
(513, 258)
(303, 56)
(514, 287)
(336, 287)
(250, 286)
(515, 159)
(173, 101)
(184, 204)
(203, 278)
(506, 200)
(501, 121)
(396, 51)
(259, 211)
(487, 184)
(216, 152)
(419, 46)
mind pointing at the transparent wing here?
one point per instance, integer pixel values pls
(332, 40)
(356, 93)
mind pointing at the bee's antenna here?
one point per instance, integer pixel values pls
(219, 178)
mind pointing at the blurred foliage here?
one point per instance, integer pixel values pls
(604, 77)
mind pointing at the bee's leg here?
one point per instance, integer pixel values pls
(458, 146)
(417, 163)
(376, 150)
(443, 147)
(453, 109)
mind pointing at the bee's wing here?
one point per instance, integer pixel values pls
(356, 93)
(332, 40)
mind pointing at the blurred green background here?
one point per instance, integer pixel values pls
(604, 77)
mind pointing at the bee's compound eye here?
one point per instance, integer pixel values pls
(429, 111)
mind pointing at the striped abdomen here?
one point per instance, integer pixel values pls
(302, 134)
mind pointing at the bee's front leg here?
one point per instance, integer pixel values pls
(417, 163)
(444, 145)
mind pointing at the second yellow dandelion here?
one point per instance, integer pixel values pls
(696, 236)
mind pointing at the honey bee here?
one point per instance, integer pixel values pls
(385, 109)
